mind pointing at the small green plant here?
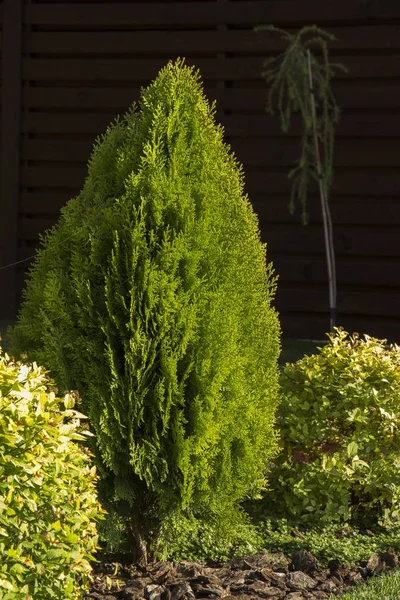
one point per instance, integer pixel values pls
(288, 76)
(152, 297)
(301, 77)
(115, 538)
(48, 503)
(188, 538)
(331, 544)
(340, 435)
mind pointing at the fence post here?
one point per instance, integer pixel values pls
(221, 56)
(10, 154)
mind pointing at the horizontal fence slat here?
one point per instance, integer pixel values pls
(361, 182)
(283, 239)
(348, 153)
(64, 123)
(350, 271)
(229, 69)
(200, 13)
(237, 124)
(31, 228)
(169, 43)
(347, 242)
(57, 177)
(274, 152)
(345, 210)
(364, 302)
(37, 203)
(352, 125)
(290, 269)
(313, 326)
(357, 182)
(57, 150)
(237, 99)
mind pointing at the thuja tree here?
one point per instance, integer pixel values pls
(152, 297)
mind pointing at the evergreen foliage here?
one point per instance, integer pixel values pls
(288, 77)
(152, 297)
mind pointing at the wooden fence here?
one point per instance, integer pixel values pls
(68, 68)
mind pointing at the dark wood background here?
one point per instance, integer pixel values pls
(68, 68)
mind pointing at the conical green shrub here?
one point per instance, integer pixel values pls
(152, 297)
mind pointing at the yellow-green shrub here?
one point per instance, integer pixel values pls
(340, 428)
(48, 504)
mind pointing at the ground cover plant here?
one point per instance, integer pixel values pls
(152, 297)
(48, 500)
(331, 545)
(338, 544)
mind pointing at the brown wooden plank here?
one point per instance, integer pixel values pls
(346, 210)
(26, 254)
(237, 99)
(291, 271)
(314, 325)
(358, 182)
(57, 150)
(359, 125)
(381, 66)
(348, 96)
(88, 69)
(350, 271)
(168, 43)
(200, 13)
(30, 228)
(274, 152)
(9, 173)
(370, 241)
(361, 242)
(118, 99)
(384, 303)
(92, 124)
(48, 2)
(271, 152)
(361, 182)
(65, 178)
(236, 124)
(46, 203)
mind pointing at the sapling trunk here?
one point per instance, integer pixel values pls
(302, 86)
(326, 214)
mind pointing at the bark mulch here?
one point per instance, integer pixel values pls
(263, 576)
